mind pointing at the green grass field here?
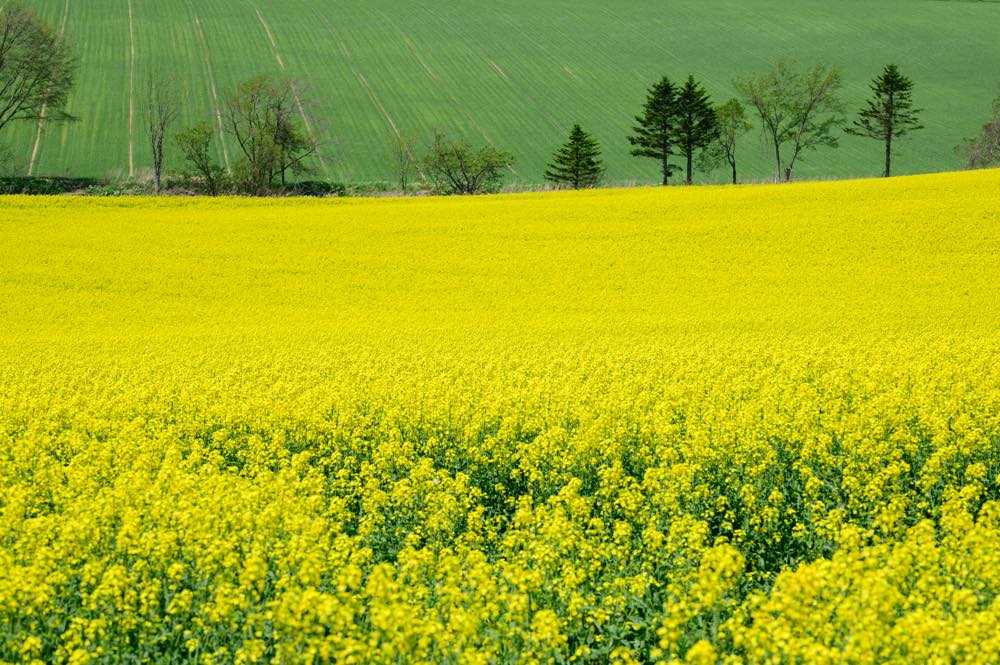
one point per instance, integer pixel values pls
(510, 72)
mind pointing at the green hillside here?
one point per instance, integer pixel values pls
(516, 73)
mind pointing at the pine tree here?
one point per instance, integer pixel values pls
(577, 163)
(890, 113)
(654, 135)
(695, 122)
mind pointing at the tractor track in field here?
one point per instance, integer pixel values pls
(500, 71)
(376, 101)
(411, 47)
(295, 92)
(454, 100)
(372, 95)
(437, 80)
(131, 94)
(41, 120)
(451, 96)
(211, 86)
(362, 80)
(573, 75)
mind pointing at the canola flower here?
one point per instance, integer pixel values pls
(707, 425)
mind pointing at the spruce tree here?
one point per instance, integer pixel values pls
(654, 135)
(578, 162)
(695, 124)
(889, 114)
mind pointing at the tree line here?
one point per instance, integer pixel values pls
(797, 110)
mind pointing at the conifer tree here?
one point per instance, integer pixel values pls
(889, 114)
(578, 162)
(695, 125)
(654, 135)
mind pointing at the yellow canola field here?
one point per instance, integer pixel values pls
(738, 425)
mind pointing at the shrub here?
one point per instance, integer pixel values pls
(318, 188)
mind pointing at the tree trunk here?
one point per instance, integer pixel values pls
(690, 154)
(888, 156)
(733, 164)
(777, 161)
(788, 174)
(666, 170)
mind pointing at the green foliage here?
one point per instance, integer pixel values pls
(442, 74)
(798, 110)
(317, 188)
(695, 122)
(732, 123)
(195, 143)
(370, 188)
(889, 113)
(32, 186)
(653, 136)
(37, 68)
(455, 167)
(264, 116)
(578, 162)
(112, 189)
(42, 186)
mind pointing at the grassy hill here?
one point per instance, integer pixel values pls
(507, 72)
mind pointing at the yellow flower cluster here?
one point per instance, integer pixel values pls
(712, 425)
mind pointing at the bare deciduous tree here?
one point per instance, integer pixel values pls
(984, 150)
(404, 161)
(799, 110)
(162, 105)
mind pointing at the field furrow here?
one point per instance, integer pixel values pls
(510, 73)
(41, 121)
(295, 92)
(216, 103)
(131, 94)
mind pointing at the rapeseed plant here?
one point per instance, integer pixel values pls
(740, 425)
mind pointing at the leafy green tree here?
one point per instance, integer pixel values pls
(798, 110)
(37, 68)
(889, 114)
(456, 167)
(265, 117)
(654, 135)
(578, 162)
(195, 143)
(695, 125)
(731, 120)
